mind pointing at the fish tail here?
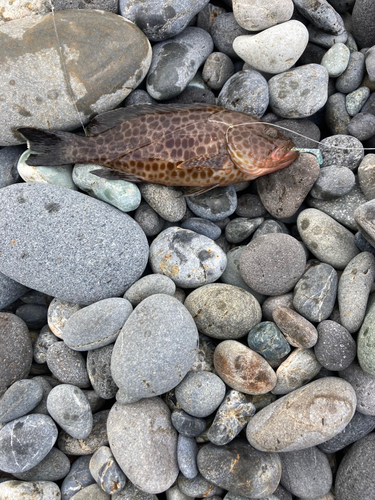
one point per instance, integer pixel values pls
(53, 147)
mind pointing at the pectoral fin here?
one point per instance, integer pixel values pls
(215, 162)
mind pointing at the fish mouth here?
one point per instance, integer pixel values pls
(284, 156)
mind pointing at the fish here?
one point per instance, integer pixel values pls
(195, 146)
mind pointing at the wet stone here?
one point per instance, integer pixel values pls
(255, 473)
(237, 230)
(164, 200)
(69, 407)
(96, 325)
(150, 222)
(96, 438)
(300, 367)
(78, 478)
(106, 472)
(217, 69)
(19, 399)
(44, 340)
(202, 226)
(231, 417)
(336, 348)
(188, 258)
(243, 369)
(314, 295)
(333, 182)
(214, 205)
(342, 150)
(198, 487)
(272, 303)
(186, 425)
(99, 371)
(59, 311)
(25, 441)
(187, 451)
(22, 490)
(200, 393)
(68, 366)
(53, 467)
(266, 339)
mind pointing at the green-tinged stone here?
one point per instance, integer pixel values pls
(266, 339)
(366, 340)
(355, 100)
(121, 194)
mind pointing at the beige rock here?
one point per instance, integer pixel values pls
(300, 367)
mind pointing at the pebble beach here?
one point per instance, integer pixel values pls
(156, 346)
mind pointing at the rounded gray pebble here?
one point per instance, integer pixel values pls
(165, 200)
(34, 315)
(19, 399)
(59, 311)
(336, 116)
(148, 219)
(78, 478)
(202, 226)
(224, 30)
(131, 492)
(336, 348)
(215, 205)
(366, 176)
(333, 182)
(187, 451)
(67, 366)
(149, 285)
(217, 69)
(53, 467)
(364, 217)
(342, 150)
(272, 303)
(92, 492)
(99, 371)
(106, 472)
(198, 487)
(364, 386)
(186, 425)
(352, 77)
(356, 99)
(362, 126)
(10, 290)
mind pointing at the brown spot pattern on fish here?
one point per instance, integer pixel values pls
(187, 145)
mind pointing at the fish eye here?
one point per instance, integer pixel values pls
(272, 133)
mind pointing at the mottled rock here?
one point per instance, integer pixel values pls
(300, 367)
(22, 490)
(165, 200)
(298, 331)
(150, 222)
(217, 69)
(272, 303)
(68, 366)
(214, 205)
(356, 99)
(187, 451)
(99, 371)
(336, 59)
(343, 150)
(266, 339)
(336, 116)
(44, 340)
(131, 492)
(199, 487)
(336, 348)
(322, 15)
(53, 467)
(59, 311)
(78, 478)
(106, 472)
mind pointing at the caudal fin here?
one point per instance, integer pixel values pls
(53, 147)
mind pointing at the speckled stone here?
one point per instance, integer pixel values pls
(165, 201)
(44, 340)
(99, 371)
(270, 272)
(300, 367)
(22, 490)
(155, 349)
(364, 217)
(59, 311)
(68, 366)
(97, 437)
(327, 240)
(46, 388)
(363, 20)
(149, 285)
(188, 258)
(106, 472)
(364, 386)
(266, 339)
(187, 425)
(16, 351)
(366, 176)
(270, 226)
(224, 30)
(150, 222)
(239, 229)
(336, 348)
(214, 205)
(250, 205)
(68, 406)
(199, 487)
(336, 59)
(78, 478)
(315, 293)
(243, 369)
(333, 182)
(306, 473)
(187, 451)
(356, 99)
(202, 226)
(231, 417)
(200, 393)
(324, 407)
(253, 474)
(217, 69)
(204, 360)
(53, 467)
(25, 441)
(19, 399)
(298, 331)
(343, 150)
(366, 340)
(207, 15)
(283, 192)
(271, 303)
(131, 492)
(145, 450)
(336, 116)
(223, 311)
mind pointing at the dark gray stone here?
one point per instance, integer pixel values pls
(24, 442)
(186, 425)
(364, 386)
(266, 339)
(175, 62)
(138, 96)
(187, 451)
(336, 348)
(155, 349)
(363, 244)
(313, 54)
(333, 182)
(198, 487)
(362, 126)
(352, 77)
(106, 471)
(254, 474)
(68, 406)
(78, 478)
(20, 399)
(10, 290)
(200, 393)
(215, 205)
(8, 160)
(202, 226)
(96, 325)
(34, 315)
(270, 226)
(224, 30)
(269, 271)
(46, 389)
(306, 473)
(363, 18)
(95, 401)
(322, 15)
(239, 229)
(250, 206)
(16, 352)
(68, 366)
(336, 115)
(59, 215)
(149, 220)
(364, 217)
(315, 293)
(99, 371)
(53, 467)
(217, 69)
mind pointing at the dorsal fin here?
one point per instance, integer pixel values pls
(110, 119)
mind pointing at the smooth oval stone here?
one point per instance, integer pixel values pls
(333, 182)
(364, 217)
(149, 285)
(198, 487)
(69, 407)
(68, 366)
(223, 311)
(53, 467)
(131, 492)
(20, 399)
(266, 339)
(322, 15)
(243, 369)
(106, 472)
(283, 192)
(31, 42)
(240, 468)
(187, 451)
(364, 386)
(16, 352)
(366, 176)
(272, 303)
(78, 478)
(200, 393)
(217, 69)
(202, 226)
(207, 16)
(92, 492)
(150, 222)
(186, 425)
(25, 441)
(366, 341)
(356, 99)
(176, 61)
(275, 49)
(326, 239)
(270, 271)
(336, 59)
(237, 230)
(144, 443)
(24, 490)
(306, 417)
(299, 368)
(354, 478)
(336, 116)
(306, 473)
(188, 258)
(352, 77)
(314, 295)
(354, 288)
(362, 126)
(121, 194)
(155, 349)
(59, 311)
(165, 201)
(336, 348)
(214, 205)
(44, 340)
(99, 371)
(298, 331)
(255, 16)
(86, 229)
(96, 438)
(96, 325)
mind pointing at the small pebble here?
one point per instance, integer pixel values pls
(364, 216)
(186, 425)
(92, 492)
(300, 367)
(224, 30)
(342, 150)
(202, 226)
(351, 78)
(250, 206)
(336, 60)
(266, 339)
(22, 490)
(148, 219)
(165, 200)
(68, 366)
(362, 126)
(34, 315)
(272, 303)
(336, 116)
(207, 15)
(333, 182)
(215, 205)
(298, 331)
(187, 451)
(217, 69)
(106, 472)
(335, 348)
(356, 99)
(44, 340)
(59, 311)
(99, 371)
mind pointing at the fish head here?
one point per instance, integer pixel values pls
(258, 149)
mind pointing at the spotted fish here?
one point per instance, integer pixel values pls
(198, 146)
